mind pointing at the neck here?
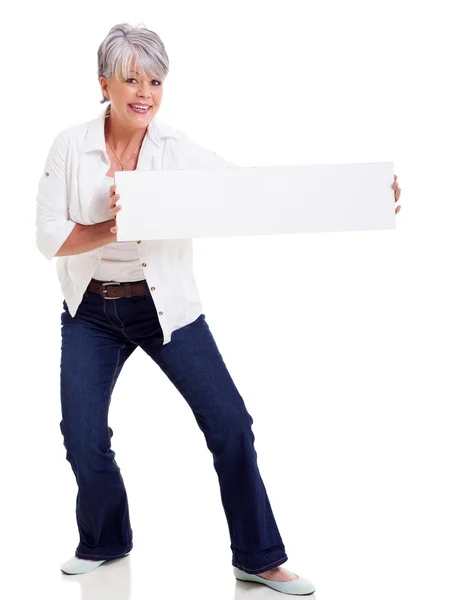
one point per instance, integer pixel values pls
(122, 139)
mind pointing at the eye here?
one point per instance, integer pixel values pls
(154, 80)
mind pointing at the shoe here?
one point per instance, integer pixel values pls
(76, 566)
(297, 587)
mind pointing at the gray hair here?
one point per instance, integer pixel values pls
(122, 44)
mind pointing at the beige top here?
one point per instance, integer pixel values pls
(120, 261)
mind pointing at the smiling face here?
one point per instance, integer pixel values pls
(135, 88)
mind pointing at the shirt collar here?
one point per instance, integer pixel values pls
(95, 140)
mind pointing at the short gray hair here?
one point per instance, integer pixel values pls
(125, 42)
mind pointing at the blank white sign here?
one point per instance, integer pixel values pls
(175, 204)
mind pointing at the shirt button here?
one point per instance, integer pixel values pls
(144, 264)
(138, 241)
(152, 289)
(160, 312)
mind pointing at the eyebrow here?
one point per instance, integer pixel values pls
(136, 73)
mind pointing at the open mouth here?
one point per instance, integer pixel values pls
(143, 111)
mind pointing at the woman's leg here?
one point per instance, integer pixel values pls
(192, 361)
(92, 356)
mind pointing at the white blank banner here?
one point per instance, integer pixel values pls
(175, 204)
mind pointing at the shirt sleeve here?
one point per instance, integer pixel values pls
(53, 225)
(199, 157)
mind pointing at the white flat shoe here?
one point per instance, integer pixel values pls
(297, 587)
(76, 566)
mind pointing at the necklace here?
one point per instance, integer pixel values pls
(123, 166)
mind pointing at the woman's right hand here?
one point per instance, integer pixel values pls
(113, 208)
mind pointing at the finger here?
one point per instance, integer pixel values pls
(398, 208)
(113, 212)
(113, 199)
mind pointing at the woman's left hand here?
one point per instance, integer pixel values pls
(397, 194)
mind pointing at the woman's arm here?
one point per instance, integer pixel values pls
(84, 238)
(56, 233)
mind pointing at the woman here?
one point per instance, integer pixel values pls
(121, 295)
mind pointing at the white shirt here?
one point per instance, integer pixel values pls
(74, 171)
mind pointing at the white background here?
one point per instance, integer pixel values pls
(338, 342)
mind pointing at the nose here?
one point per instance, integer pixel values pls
(145, 91)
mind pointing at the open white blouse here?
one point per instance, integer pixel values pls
(74, 189)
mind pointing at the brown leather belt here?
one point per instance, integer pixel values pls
(110, 290)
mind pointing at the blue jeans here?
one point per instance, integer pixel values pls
(95, 345)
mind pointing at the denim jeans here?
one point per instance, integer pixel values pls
(95, 345)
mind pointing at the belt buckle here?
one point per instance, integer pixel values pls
(103, 283)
